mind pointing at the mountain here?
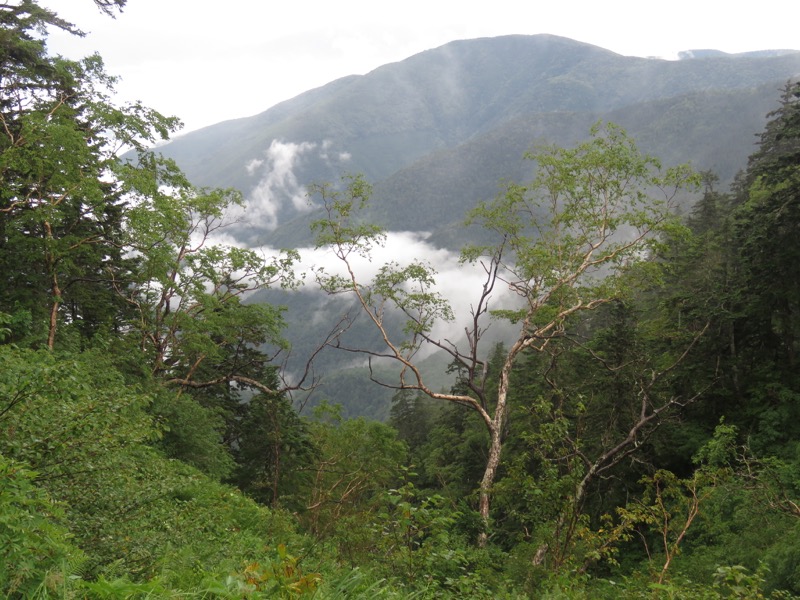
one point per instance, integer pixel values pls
(437, 133)
(710, 52)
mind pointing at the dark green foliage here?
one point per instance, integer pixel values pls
(60, 216)
(454, 454)
(105, 303)
(766, 231)
(274, 452)
(412, 415)
(356, 461)
(738, 274)
(194, 433)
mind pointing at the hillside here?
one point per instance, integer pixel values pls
(416, 127)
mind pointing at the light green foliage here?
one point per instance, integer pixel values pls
(67, 414)
(134, 376)
(278, 575)
(409, 288)
(668, 508)
(405, 289)
(163, 518)
(415, 542)
(751, 519)
(591, 212)
(187, 287)
(130, 509)
(418, 543)
(343, 229)
(59, 204)
(563, 245)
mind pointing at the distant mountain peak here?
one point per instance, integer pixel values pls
(712, 53)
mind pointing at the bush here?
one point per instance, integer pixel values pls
(35, 550)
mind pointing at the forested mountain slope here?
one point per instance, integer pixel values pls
(437, 131)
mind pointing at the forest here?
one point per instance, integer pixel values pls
(637, 435)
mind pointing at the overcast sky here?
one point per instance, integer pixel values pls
(210, 61)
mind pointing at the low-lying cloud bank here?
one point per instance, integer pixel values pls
(461, 284)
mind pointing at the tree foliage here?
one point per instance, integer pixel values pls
(59, 204)
(563, 243)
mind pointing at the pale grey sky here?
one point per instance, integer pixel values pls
(211, 61)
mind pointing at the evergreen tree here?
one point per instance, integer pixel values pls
(274, 452)
(60, 223)
(767, 229)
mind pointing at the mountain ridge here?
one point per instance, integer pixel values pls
(462, 98)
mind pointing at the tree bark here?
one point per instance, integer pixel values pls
(496, 427)
(489, 474)
(55, 290)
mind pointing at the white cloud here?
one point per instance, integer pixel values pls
(279, 185)
(278, 182)
(253, 165)
(460, 284)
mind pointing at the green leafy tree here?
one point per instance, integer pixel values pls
(190, 323)
(187, 287)
(603, 392)
(768, 293)
(356, 460)
(411, 415)
(274, 451)
(738, 273)
(563, 243)
(59, 199)
(116, 296)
